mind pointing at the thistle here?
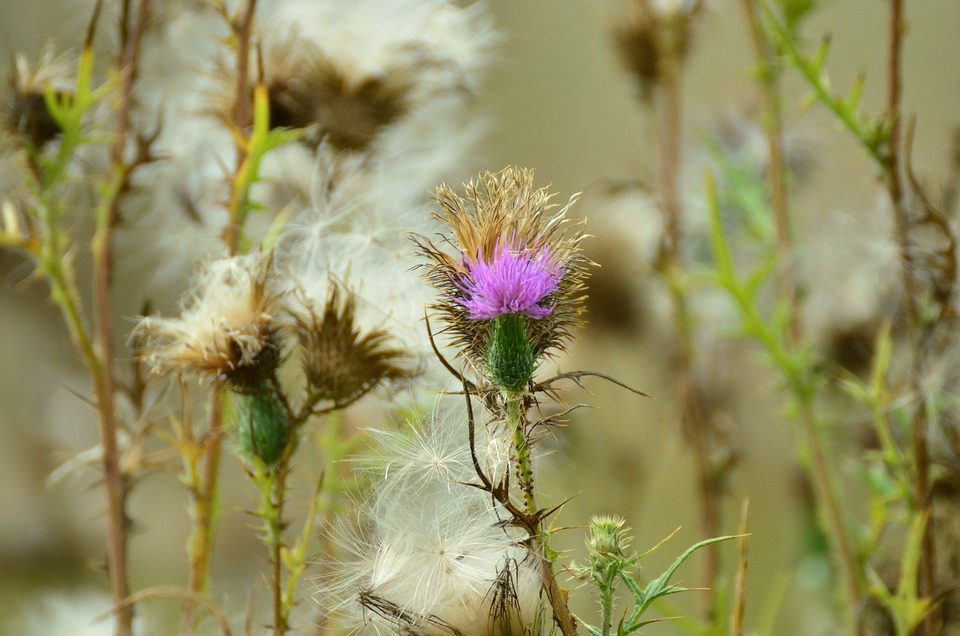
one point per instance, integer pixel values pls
(25, 115)
(309, 90)
(649, 35)
(226, 331)
(512, 293)
(342, 364)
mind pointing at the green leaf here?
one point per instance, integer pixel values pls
(660, 586)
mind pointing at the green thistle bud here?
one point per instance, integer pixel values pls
(263, 428)
(609, 537)
(510, 358)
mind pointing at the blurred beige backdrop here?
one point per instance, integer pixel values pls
(558, 102)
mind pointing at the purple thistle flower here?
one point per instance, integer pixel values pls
(515, 281)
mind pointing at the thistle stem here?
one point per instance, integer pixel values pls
(271, 483)
(696, 424)
(521, 447)
(102, 247)
(918, 423)
(516, 420)
(606, 602)
(831, 509)
(205, 501)
(204, 511)
(768, 72)
(241, 117)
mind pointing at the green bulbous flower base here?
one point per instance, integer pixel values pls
(262, 425)
(510, 359)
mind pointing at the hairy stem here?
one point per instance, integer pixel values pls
(516, 420)
(521, 447)
(275, 536)
(606, 604)
(271, 484)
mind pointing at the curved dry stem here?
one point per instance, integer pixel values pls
(168, 592)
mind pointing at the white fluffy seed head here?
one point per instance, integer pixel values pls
(356, 232)
(77, 612)
(439, 48)
(225, 322)
(426, 552)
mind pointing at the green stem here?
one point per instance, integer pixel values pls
(204, 515)
(271, 484)
(323, 505)
(515, 421)
(606, 600)
(838, 531)
(802, 384)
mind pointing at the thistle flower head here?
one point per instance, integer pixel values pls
(340, 362)
(227, 329)
(309, 90)
(25, 113)
(609, 537)
(354, 234)
(516, 269)
(648, 33)
(512, 282)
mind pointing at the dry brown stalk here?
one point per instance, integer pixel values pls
(115, 481)
(696, 423)
(893, 176)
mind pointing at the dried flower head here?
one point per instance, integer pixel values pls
(309, 90)
(226, 330)
(340, 362)
(648, 33)
(26, 116)
(517, 273)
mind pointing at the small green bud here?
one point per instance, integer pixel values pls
(510, 359)
(609, 537)
(263, 429)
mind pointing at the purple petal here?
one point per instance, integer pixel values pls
(514, 282)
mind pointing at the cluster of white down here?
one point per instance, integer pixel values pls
(224, 317)
(426, 553)
(78, 612)
(178, 217)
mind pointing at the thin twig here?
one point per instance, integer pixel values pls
(204, 502)
(102, 246)
(278, 499)
(838, 529)
(894, 179)
(241, 117)
(575, 377)
(768, 70)
(468, 385)
(695, 420)
(740, 589)
(175, 592)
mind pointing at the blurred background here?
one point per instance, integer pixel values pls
(557, 100)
